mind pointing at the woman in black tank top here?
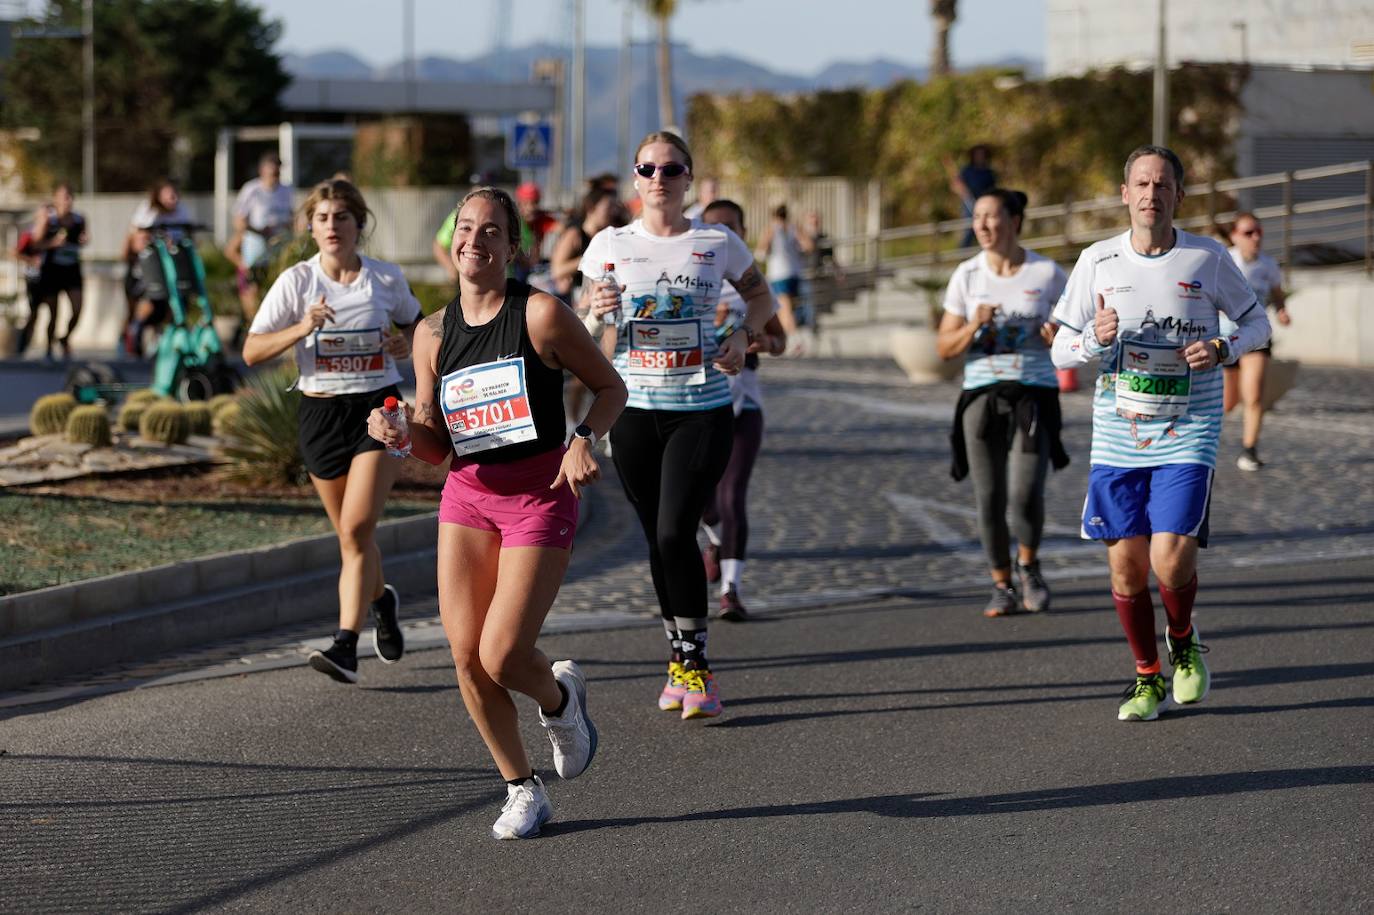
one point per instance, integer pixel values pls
(488, 375)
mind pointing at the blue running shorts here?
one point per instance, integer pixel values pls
(1139, 501)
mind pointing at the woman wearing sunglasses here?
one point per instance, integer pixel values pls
(1245, 379)
(674, 439)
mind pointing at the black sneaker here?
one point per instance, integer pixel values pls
(387, 639)
(1004, 602)
(339, 661)
(1249, 460)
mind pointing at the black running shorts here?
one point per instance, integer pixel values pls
(334, 429)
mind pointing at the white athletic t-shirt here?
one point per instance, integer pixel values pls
(1013, 350)
(345, 356)
(1263, 275)
(664, 349)
(1169, 301)
(266, 210)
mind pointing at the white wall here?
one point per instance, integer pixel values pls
(1093, 34)
(1333, 323)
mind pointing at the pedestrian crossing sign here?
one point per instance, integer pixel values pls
(531, 145)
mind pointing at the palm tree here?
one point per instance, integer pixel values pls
(662, 11)
(944, 13)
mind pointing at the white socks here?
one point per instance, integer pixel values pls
(712, 532)
(731, 571)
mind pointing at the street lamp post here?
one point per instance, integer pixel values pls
(1161, 103)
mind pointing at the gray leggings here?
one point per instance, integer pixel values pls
(1001, 476)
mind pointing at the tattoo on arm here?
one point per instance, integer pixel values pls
(424, 413)
(750, 281)
(435, 323)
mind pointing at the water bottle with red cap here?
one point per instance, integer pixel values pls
(392, 412)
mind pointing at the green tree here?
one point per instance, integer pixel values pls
(165, 70)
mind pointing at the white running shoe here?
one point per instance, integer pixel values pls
(572, 734)
(527, 808)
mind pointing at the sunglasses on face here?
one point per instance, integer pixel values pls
(667, 170)
(1249, 232)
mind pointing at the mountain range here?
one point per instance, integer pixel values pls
(693, 72)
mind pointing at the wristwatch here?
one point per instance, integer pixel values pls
(1223, 350)
(585, 431)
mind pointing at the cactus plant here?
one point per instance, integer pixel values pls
(131, 413)
(50, 412)
(219, 402)
(225, 418)
(166, 423)
(89, 425)
(199, 416)
(144, 396)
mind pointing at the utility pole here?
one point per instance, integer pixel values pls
(579, 88)
(1161, 125)
(622, 158)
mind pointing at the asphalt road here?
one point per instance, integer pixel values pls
(902, 754)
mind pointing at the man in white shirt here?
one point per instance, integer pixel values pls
(1147, 303)
(263, 218)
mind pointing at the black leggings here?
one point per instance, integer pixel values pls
(728, 507)
(669, 464)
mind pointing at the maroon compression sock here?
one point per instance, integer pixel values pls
(1178, 607)
(1137, 615)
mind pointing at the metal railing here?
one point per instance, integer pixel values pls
(1331, 206)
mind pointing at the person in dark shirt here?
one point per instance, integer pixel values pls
(971, 182)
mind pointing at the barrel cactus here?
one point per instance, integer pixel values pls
(199, 416)
(219, 402)
(89, 425)
(131, 413)
(225, 418)
(50, 412)
(144, 396)
(166, 423)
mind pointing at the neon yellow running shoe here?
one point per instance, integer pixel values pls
(1191, 678)
(1144, 699)
(670, 700)
(702, 699)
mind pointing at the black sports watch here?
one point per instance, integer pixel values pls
(1223, 350)
(585, 431)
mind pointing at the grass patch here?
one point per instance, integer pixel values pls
(56, 539)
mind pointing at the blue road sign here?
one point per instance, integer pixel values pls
(531, 145)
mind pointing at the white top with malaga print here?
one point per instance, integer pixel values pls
(1012, 349)
(1149, 408)
(667, 340)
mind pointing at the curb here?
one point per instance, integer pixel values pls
(66, 629)
(53, 633)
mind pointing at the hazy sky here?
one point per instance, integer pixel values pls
(794, 36)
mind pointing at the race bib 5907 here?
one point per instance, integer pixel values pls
(343, 356)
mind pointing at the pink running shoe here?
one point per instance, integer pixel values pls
(670, 700)
(702, 699)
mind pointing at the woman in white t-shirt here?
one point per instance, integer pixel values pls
(672, 442)
(781, 252)
(336, 313)
(1006, 426)
(1244, 381)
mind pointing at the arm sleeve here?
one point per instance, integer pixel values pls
(1075, 344)
(1237, 301)
(594, 258)
(241, 200)
(738, 257)
(955, 302)
(283, 305)
(405, 308)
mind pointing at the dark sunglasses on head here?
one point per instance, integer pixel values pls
(1252, 232)
(668, 170)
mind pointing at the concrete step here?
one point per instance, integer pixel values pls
(868, 341)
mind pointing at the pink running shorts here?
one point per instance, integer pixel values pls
(513, 500)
